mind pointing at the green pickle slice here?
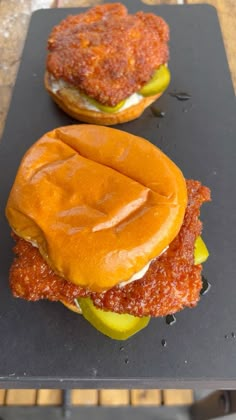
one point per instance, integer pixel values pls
(158, 83)
(105, 108)
(123, 326)
(201, 252)
(116, 326)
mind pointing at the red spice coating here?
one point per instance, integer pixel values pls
(31, 278)
(171, 283)
(107, 53)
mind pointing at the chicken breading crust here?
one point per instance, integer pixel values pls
(107, 53)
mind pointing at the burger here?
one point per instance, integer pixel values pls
(106, 223)
(106, 66)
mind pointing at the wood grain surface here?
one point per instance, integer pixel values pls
(92, 397)
(114, 397)
(2, 396)
(177, 396)
(49, 397)
(146, 397)
(84, 397)
(21, 397)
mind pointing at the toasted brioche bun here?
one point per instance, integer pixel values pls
(72, 307)
(99, 203)
(70, 101)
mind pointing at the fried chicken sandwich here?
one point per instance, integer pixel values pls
(107, 224)
(106, 66)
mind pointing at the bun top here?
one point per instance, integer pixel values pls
(98, 202)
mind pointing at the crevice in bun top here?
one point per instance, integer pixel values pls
(98, 202)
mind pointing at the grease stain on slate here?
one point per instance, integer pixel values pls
(181, 96)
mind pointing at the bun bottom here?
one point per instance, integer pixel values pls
(72, 307)
(69, 100)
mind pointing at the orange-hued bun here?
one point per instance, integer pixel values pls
(70, 100)
(98, 202)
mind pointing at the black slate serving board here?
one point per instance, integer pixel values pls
(43, 344)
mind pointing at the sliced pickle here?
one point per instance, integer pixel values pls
(116, 326)
(201, 252)
(105, 108)
(158, 83)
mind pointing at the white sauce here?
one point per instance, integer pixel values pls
(134, 99)
(76, 303)
(138, 275)
(34, 243)
(56, 85)
(142, 272)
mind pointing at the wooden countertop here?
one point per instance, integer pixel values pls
(15, 15)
